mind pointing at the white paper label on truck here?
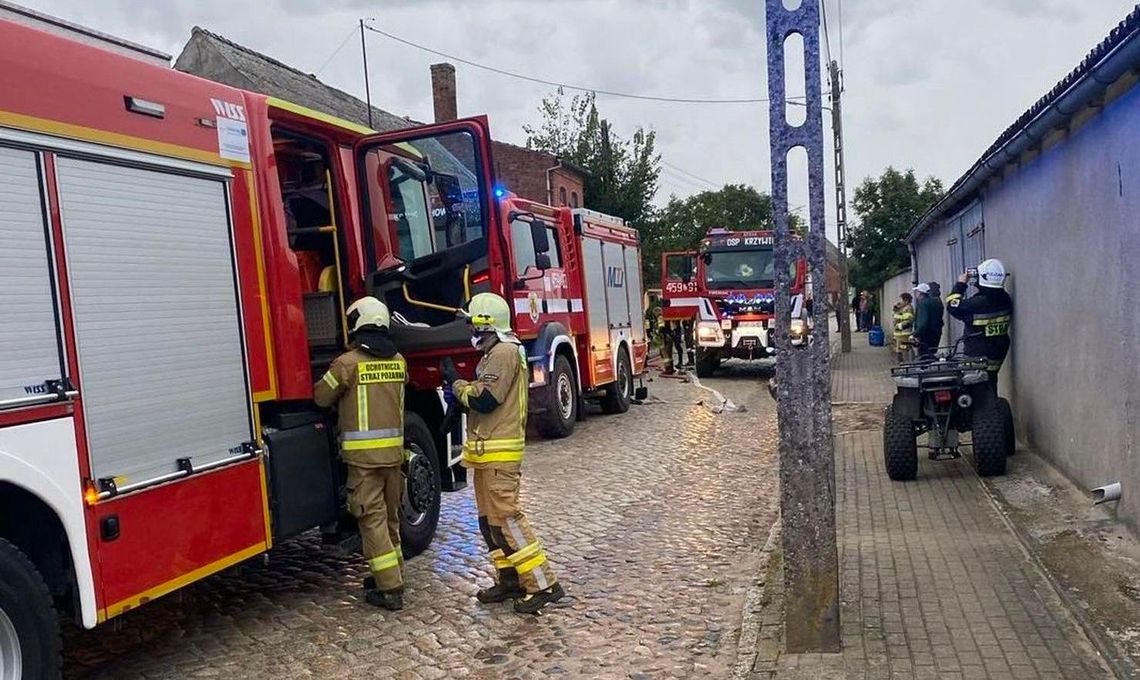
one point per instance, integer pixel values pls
(233, 139)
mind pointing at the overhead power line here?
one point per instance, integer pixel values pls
(579, 88)
(826, 32)
(686, 173)
(335, 52)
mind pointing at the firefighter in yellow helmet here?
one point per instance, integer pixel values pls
(366, 384)
(496, 436)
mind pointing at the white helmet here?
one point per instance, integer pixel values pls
(367, 311)
(991, 274)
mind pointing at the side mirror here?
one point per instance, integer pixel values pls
(542, 261)
(540, 239)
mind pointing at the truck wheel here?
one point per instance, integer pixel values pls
(560, 400)
(990, 441)
(29, 628)
(900, 447)
(1010, 433)
(707, 362)
(620, 391)
(419, 513)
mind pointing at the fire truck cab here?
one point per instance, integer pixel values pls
(726, 290)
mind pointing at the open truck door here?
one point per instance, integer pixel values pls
(430, 234)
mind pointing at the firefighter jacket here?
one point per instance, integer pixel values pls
(496, 439)
(987, 316)
(903, 320)
(368, 391)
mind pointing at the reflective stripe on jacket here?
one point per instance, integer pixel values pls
(369, 395)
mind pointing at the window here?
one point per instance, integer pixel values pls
(675, 267)
(740, 269)
(523, 247)
(424, 196)
(574, 199)
(562, 196)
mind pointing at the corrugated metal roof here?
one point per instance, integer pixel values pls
(272, 77)
(1126, 31)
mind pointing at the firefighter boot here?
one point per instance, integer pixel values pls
(507, 588)
(532, 603)
(392, 600)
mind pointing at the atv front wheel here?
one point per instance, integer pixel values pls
(900, 448)
(990, 441)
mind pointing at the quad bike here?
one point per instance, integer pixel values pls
(945, 397)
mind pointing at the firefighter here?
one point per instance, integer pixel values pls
(496, 403)
(903, 325)
(366, 384)
(666, 338)
(986, 315)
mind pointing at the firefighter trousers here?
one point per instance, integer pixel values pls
(374, 496)
(515, 549)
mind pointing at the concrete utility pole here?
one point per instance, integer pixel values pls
(840, 205)
(807, 460)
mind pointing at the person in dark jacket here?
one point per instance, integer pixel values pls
(928, 319)
(856, 312)
(986, 315)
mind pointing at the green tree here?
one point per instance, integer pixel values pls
(682, 223)
(887, 207)
(621, 175)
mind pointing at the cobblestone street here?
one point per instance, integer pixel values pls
(652, 519)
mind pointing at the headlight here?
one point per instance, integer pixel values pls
(707, 330)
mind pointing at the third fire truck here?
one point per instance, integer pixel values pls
(726, 293)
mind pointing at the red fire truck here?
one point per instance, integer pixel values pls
(177, 255)
(726, 292)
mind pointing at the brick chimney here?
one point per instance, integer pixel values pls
(443, 92)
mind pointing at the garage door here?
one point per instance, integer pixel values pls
(162, 372)
(29, 343)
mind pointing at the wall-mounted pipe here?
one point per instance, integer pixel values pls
(1107, 493)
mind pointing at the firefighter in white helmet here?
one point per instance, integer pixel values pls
(496, 436)
(986, 314)
(366, 384)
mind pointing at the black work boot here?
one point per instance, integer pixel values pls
(508, 588)
(392, 600)
(532, 603)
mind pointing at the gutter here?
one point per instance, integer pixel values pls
(549, 183)
(1086, 89)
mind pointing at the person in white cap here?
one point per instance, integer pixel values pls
(927, 320)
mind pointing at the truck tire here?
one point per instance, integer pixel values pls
(707, 362)
(29, 626)
(560, 398)
(990, 441)
(900, 447)
(1010, 432)
(420, 509)
(620, 391)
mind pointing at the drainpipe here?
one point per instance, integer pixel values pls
(1107, 493)
(913, 263)
(549, 183)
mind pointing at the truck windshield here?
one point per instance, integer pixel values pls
(424, 197)
(740, 269)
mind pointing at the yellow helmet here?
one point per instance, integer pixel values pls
(489, 312)
(367, 311)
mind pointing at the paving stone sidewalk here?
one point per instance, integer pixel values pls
(934, 583)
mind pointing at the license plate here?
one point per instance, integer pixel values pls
(748, 343)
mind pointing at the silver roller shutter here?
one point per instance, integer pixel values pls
(162, 372)
(634, 291)
(29, 344)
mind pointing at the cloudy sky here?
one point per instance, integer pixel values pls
(930, 83)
